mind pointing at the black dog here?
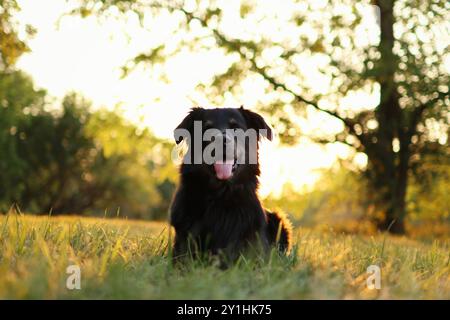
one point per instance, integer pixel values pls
(216, 209)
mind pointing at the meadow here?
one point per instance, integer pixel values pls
(127, 259)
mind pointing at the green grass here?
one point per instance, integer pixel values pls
(122, 259)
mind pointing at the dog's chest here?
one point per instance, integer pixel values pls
(229, 221)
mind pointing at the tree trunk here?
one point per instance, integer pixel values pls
(394, 209)
(387, 190)
(389, 167)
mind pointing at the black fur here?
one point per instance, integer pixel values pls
(279, 230)
(213, 216)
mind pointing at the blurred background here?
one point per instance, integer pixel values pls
(357, 92)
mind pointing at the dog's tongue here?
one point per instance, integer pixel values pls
(224, 170)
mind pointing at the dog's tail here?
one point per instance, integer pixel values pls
(279, 230)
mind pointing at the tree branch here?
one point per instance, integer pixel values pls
(336, 139)
(238, 45)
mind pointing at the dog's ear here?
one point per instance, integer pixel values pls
(256, 122)
(187, 125)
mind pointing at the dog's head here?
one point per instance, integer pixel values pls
(222, 142)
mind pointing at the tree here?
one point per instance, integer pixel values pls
(77, 161)
(18, 100)
(72, 159)
(398, 61)
(17, 94)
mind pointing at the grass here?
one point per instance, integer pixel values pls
(121, 259)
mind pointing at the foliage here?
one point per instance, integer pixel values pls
(75, 160)
(18, 100)
(336, 196)
(145, 175)
(12, 46)
(333, 38)
(128, 260)
(428, 195)
(337, 201)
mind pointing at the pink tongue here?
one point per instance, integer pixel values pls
(223, 170)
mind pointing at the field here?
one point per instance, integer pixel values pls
(122, 259)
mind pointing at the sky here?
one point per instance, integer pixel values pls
(83, 55)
